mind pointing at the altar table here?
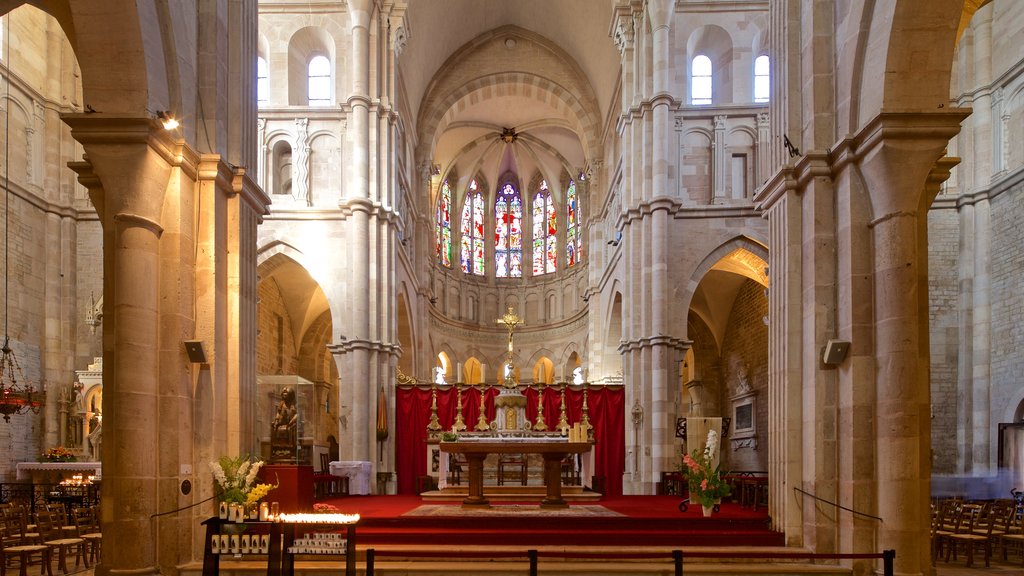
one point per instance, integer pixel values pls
(357, 472)
(25, 470)
(552, 451)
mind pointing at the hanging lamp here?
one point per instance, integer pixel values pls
(16, 395)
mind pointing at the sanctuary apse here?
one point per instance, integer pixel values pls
(669, 240)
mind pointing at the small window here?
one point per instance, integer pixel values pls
(262, 80)
(319, 81)
(700, 81)
(761, 79)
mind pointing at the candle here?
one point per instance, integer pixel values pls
(483, 378)
(458, 372)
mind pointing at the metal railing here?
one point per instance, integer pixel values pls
(888, 557)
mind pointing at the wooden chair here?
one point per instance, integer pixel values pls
(512, 466)
(1014, 536)
(945, 516)
(971, 532)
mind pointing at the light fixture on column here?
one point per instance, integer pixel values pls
(15, 398)
(167, 119)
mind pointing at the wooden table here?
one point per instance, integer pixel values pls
(552, 451)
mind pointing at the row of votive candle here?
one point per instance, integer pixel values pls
(318, 543)
(240, 544)
(577, 433)
(233, 512)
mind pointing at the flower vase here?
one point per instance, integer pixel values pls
(707, 510)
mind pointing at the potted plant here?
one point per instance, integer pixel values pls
(704, 479)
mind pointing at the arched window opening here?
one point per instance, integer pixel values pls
(473, 232)
(319, 81)
(700, 81)
(262, 80)
(573, 237)
(761, 79)
(545, 225)
(444, 226)
(508, 234)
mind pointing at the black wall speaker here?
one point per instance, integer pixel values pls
(194, 349)
(835, 352)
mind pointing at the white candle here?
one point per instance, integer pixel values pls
(483, 379)
(458, 372)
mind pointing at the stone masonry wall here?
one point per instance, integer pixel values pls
(745, 356)
(943, 296)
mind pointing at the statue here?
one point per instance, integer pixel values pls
(284, 428)
(577, 375)
(439, 376)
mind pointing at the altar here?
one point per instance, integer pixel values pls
(53, 472)
(552, 451)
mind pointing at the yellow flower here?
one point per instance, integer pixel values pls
(258, 492)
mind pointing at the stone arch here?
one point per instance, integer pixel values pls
(714, 42)
(405, 330)
(303, 45)
(449, 91)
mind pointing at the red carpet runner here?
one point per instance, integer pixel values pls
(645, 521)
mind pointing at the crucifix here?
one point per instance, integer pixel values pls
(510, 320)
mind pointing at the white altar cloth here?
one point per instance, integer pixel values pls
(357, 472)
(24, 469)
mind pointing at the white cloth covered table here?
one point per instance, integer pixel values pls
(357, 472)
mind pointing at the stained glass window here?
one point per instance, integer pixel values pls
(508, 233)
(444, 226)
(472, 254)
(573, 235)
(545, 225)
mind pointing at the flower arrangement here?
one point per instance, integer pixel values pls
(58, 454)
(705, 479)
(236, 480)
(324, 507)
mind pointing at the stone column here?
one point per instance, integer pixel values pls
(719, 161)
(132, 158)
(897, 151)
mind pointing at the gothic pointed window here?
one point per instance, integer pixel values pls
(545, 244)
(472, 256)
(700, 81)
(761, 79)
(262, 80)
(573, 235)
(444, 226)
(319, 81)
(508, 233)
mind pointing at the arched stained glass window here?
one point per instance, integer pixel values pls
(761, 79)
(262, 80)
(444, 226)
(573, 236)
(472, 256)
(545, 225)
(700, 81)
(508, 233)
(319, 81)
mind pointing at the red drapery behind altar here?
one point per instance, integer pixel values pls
(605, 408)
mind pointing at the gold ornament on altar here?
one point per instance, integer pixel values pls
(510, 320)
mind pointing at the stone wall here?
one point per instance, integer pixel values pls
(276, 348)
(1007, 274)
(943, 294)
(745, 361)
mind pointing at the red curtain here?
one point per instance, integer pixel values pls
(605, 410)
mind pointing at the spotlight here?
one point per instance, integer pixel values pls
(167, 119)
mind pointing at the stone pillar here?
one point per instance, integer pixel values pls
(897, 151)
(719, 161)
(132, 159)
(660, 421)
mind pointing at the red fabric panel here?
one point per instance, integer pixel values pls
(412, 413)
(608, 417)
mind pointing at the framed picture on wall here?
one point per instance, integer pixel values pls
(743, 416)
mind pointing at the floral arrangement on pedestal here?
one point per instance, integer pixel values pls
(703, 477)
(236, 480)
(58, 454)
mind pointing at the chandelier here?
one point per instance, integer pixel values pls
(15, 398)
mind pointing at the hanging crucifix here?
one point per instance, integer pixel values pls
(510, 320)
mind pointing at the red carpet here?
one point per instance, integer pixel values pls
(647, 521)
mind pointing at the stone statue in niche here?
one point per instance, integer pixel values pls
(284, 431)
(740, 374)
